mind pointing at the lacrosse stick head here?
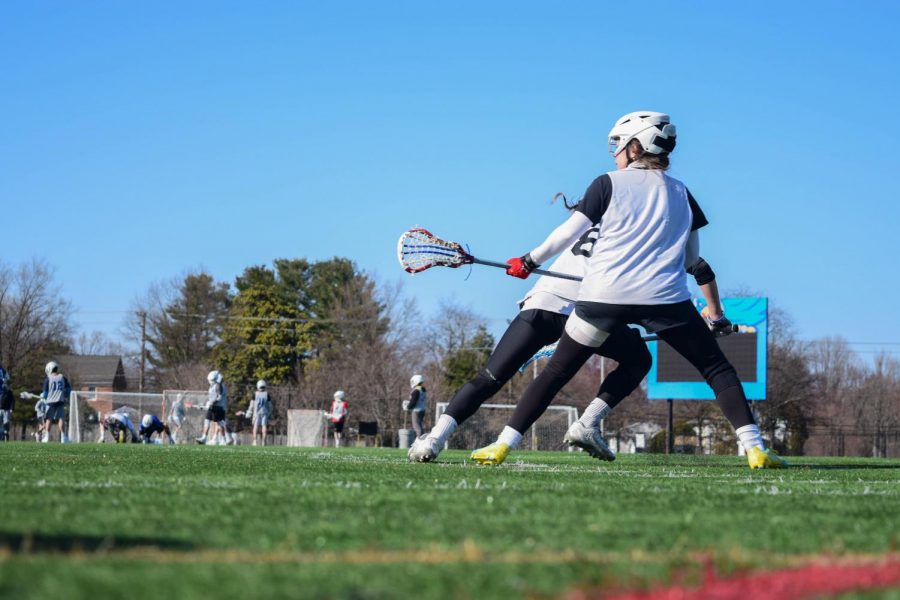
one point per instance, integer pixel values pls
(419, 249)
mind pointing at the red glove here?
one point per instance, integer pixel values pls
(521, 266)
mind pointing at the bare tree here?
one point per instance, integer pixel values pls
(837, 375)
(34, 316)
(877, 405)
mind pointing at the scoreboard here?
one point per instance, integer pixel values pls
(673, 377)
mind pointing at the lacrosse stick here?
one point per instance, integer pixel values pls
(418, 249)
(548, 350)
(29, 396)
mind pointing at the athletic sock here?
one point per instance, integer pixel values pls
(596, 410)
(750, 437)
(444, 427)
(510, 437)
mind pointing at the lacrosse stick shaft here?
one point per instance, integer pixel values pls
(735, 328)
(504, 266)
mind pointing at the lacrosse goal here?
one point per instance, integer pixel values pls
(482, 428)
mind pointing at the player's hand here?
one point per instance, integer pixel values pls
(405, 404)
(521, 266)
(721, 326)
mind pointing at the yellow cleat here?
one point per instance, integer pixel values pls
(492, 455)
(765, 459)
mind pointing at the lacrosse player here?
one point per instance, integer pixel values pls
(55, 392)
(259, 410)
(416, 403)
(119, 425)
(7, 404)
(151, 424)
(215, 409)
(541, 319)
(176, 417)
(338, 416)
(40, 413)
(648, 224)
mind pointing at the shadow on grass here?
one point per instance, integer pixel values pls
(26, 543)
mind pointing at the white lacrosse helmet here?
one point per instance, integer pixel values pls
(51, 368)
(261, 384)
(147, 421)
(652, 129)
(213, 377)
(416, 380)
(339, 395)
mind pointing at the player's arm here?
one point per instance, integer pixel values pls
(706, 281)
(561, 238)
(45, 389)
(585, 215)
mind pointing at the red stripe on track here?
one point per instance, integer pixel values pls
(786, 584)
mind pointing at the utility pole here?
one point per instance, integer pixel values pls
(143, 316)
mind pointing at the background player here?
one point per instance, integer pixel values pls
(119, 426)
(416, 403)
(259, 410)
(40, 413)
(55, 393)
(338, 415)
(176, 416)
(7, 404)
(151, 424)
(215, 407)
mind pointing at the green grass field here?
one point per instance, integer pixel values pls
(98, 521)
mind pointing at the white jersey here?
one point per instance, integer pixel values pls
(645, 219)
(176, 414)
(339, 411)
(260, 406)
(56, 389)
(216, 395)
(555, 294)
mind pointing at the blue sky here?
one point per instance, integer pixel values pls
(141, 139)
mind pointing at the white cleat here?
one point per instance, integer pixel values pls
(424, 449)
(589, 440)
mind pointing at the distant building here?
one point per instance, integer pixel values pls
(94, 376)
(102, 373)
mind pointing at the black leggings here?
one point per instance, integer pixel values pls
(530, 331)
(679, 325)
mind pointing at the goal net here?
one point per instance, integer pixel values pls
(85, 409)
(305, 428)
(482, 428)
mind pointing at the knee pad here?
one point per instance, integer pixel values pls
(723, 380)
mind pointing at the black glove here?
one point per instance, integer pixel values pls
(721, 326)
